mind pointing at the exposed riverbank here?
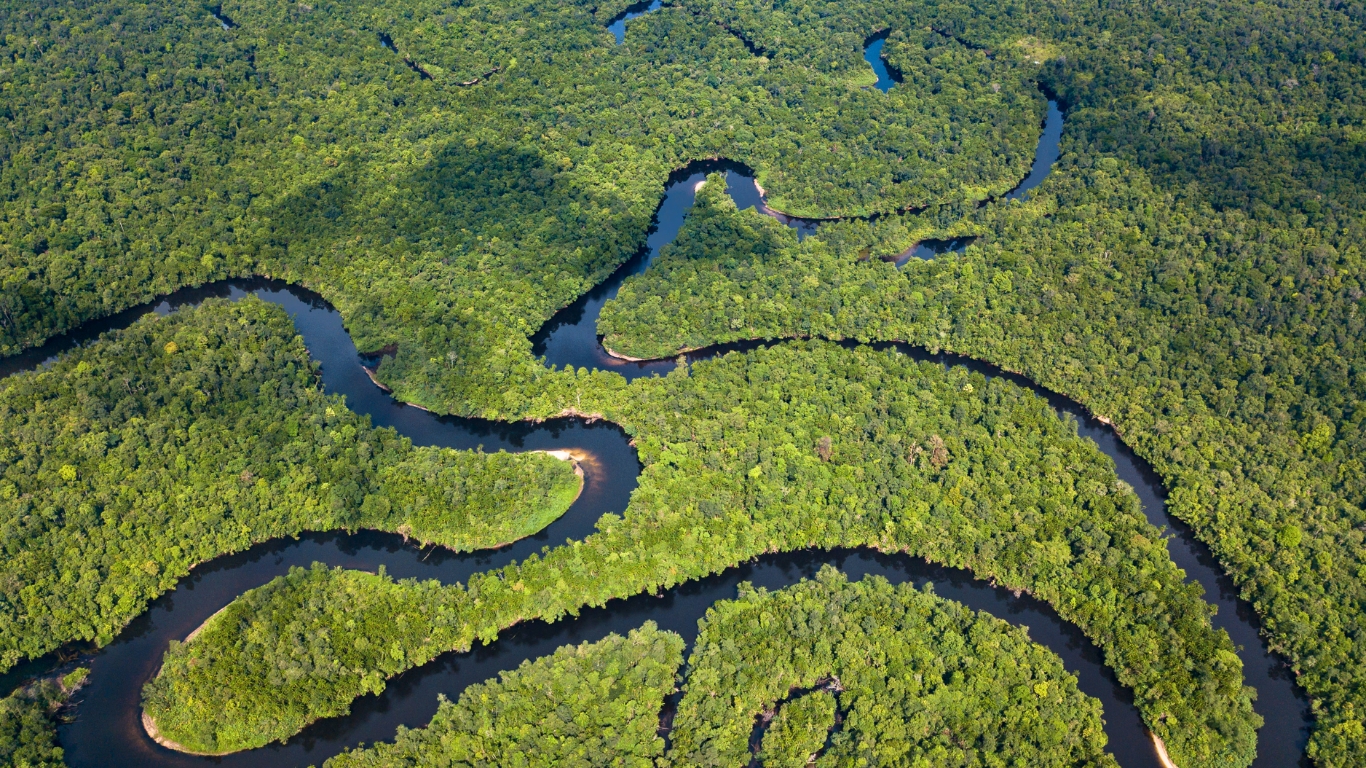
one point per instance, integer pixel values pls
(150, 727)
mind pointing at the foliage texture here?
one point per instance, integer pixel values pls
(182, 438)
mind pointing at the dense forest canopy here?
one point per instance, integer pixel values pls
(1192, 270)
(915, 679)
(128, 462)
(340, 633)
(591, 704)
(150, 148)
(27, 719)
(949, 686)
(795, 446)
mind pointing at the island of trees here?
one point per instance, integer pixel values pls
(789, 447)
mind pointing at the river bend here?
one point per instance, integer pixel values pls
(106, 730)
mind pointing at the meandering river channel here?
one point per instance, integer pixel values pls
(617, 26)
(106, 730)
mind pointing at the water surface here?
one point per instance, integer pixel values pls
(928, 249)
(106, 730)
(872, 53)
(617, 26)
(1045, 156)
(217, 13)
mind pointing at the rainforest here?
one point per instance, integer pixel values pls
(683, 383)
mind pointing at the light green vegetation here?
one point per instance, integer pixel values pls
(468, 500)
(28, 725)
(798, 730)
(736, 275)
(922, 681)
(340, 632)
(592, 704)
(802, 445)
(1192, 270)
(127, 462)
(150, 149)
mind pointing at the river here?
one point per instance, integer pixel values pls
(106, 730)
(617, 26)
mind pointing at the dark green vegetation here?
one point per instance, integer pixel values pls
(594, 704)
(149, 149)
(125, 463)
(717, 281)
(806, 445)
(28, 737)
(921, 681)
(335, 633)
(1192, 270)
(468, 500)
(944, 685)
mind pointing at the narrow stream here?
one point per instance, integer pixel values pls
(570, 337)
(872, 53)
(928, 249)
(763, 722)
(387, 43)
(217, 13)
(617, 26)
(1050, 148)
(106, 730)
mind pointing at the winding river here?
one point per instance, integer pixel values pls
(872, 53)
(617, 26)
(106, 731)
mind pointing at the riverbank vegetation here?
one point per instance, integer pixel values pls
(1192, 270)
(799, 729)
(150, 149)
(28, 722)
(949, 686)
(591, 704)
(918, 681)
(807, 445)
(345, 632)
(125, 463)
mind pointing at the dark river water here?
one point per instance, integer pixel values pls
(217, 13)
(106, 730)
(1050, 148)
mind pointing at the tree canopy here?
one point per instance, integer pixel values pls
(1192, 271)
(945, 685)
(127, 462)
(795, 446)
